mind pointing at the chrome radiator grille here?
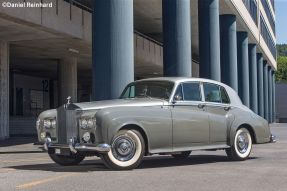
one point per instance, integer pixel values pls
(66, 125)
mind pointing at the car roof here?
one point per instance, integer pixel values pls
(182, 79)
(234, 98)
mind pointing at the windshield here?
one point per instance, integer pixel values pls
(150, 89)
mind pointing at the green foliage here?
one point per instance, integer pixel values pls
(281, 73)
(282, 49)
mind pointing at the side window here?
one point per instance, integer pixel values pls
(178, 94)
(224, 96)
(129, 92)
(212, 93)
(191, 91)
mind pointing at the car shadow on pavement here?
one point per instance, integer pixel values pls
(85, 166)
(148, 162)
(164, 161)
(13, 141)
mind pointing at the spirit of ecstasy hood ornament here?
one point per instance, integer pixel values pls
(68, 102)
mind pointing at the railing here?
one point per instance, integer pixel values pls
(148, 38)
(267, 36)
(251, 6)
(82, 4)
(269, 15)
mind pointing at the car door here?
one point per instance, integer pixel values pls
(190, 120)
(218, 107)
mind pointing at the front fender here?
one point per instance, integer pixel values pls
(110, 121)
(154, 121)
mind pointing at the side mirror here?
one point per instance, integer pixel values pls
(177, 98)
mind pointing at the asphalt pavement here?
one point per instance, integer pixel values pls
(23, 166)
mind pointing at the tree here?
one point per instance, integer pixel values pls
(282, 49)
(281, 73)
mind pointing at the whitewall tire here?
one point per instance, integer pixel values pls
(242, 145)
(127, 150)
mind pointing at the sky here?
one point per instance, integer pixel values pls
(281, 21)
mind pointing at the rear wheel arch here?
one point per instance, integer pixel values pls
(236, 128)
(250, 129)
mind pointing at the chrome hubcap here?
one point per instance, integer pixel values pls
(123, 148)
(242, 142)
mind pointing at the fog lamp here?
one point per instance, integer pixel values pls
(87, 137)
(43, 135)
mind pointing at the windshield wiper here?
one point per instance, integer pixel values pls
(143, 95)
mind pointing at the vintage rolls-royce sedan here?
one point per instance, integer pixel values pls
(168, 115)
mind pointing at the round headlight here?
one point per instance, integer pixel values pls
(90, 123)
(83, 123)
(53, 123)
(49, 123)
(86, 123)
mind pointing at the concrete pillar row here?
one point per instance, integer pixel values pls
(266, 91)
(113, 47)
(260, 85)
(4, 90)
(270, 95)
(273, 98)
(253, 77)
(67, 79)
(228, 47)
(209, 39)
(243, 67)
(177, 56)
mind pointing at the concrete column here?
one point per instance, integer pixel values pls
(243, 67)
(260, 84)
(273, 98)
(113, 47)
(228, 47)
(4, 90)
(270, 95)
(177, 57)
(209, 39)
(253, 77)
(67, 80)
(265, 82)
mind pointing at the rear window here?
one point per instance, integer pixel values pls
(215, 93)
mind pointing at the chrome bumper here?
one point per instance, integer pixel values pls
(273, 139)
(77, 147)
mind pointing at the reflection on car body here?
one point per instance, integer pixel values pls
(168, 115)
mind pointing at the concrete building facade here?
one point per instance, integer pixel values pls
(90, 49)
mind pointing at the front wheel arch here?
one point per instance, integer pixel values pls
(141, 131)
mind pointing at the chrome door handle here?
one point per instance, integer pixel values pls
(201, 106)
(227, 108)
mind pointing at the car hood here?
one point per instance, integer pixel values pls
(119, 103)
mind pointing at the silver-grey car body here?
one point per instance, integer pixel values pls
(168, 124)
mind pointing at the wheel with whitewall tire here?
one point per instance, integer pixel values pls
(71, 160)
(181, 155)
(242, 145)
(127, 151)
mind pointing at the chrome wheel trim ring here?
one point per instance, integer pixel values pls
(123, 148)
(242, 142)
(241, 147)
(138, 151)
